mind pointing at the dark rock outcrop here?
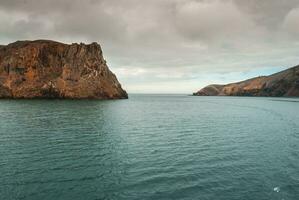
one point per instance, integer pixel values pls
(284, 83)
(48, 69)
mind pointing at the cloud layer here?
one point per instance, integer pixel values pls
(167, 45)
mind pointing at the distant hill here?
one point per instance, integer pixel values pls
(284, 83)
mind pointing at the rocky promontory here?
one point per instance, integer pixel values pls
(284, 83)
(49, 69)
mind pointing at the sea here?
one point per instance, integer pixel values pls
(150, 147)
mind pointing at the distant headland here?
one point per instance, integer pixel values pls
(49, 69)
(281, 84)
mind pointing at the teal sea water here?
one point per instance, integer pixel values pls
(150, 147)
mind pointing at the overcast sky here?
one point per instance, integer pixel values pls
(167, 46)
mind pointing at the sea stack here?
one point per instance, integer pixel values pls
(281, 84)
(49, 69)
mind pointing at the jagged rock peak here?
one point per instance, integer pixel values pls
(50, 69)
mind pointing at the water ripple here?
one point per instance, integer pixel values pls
(150, 147)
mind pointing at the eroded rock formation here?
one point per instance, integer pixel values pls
(284, 83)
(48, 69)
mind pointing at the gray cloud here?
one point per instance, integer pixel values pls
(269, 13)
(165, 41)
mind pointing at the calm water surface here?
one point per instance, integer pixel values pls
(150, 147)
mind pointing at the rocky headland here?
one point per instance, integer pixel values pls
(281, 84)
(49, 69)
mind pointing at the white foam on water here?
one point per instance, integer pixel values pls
(276, 189)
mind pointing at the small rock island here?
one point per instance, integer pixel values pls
(49, 69)
(281, 84)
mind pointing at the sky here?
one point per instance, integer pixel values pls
(167, 46)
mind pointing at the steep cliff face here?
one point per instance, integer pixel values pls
(284, 83)
(48, 69)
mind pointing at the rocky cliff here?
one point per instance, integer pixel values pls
(284, 83)
(48, 69)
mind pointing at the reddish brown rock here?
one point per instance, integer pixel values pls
(48, 69)
(284, 83)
